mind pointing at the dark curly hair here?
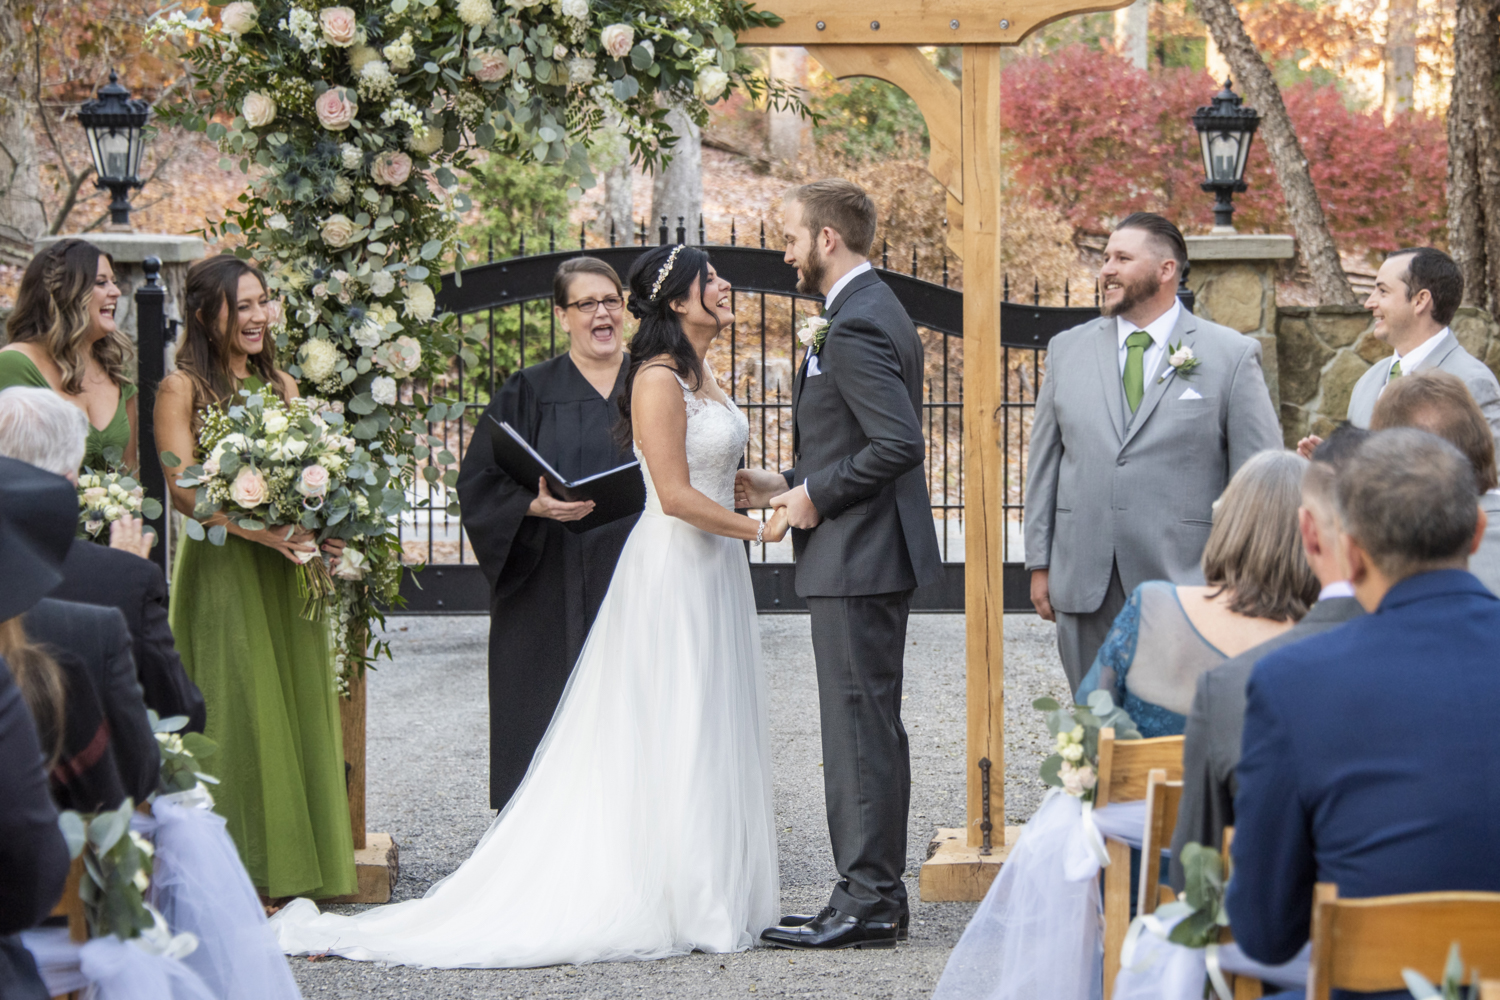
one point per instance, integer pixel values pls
(660, 332)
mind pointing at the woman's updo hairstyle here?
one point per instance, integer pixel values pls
(659, 277)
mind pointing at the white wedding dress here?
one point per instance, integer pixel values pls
(644, 826)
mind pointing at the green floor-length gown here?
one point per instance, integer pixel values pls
(267, 678)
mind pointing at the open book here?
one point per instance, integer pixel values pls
(617, 492)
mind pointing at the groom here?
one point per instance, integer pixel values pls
(864, 540)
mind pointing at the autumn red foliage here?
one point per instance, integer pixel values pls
(1092, 135)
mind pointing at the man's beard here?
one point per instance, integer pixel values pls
(1133, 295)
(813, 269)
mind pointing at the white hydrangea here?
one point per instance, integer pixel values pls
(578, 9)
(383, 390)
(351, 156)
(580, 70)
(343, 190)
(382, 283)
(375, 80)
(420, 303)
(476, 12)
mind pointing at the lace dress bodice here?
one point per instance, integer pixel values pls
(716, 436)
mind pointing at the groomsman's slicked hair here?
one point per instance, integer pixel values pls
(1431, 269)
(1163, 232)
(1407, 497)
(840, 205)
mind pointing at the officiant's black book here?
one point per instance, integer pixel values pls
(618, 492)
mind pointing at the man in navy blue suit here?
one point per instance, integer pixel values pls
(1369, 757)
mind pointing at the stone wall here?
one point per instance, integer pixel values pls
(1321, 351)
(1233, 279)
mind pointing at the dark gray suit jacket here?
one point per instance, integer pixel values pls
(1215, 725)
(857, 444)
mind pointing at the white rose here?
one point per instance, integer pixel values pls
(342, 191)
(559, 52)
(295, 448)
(420, 303)
(338, 231)
(400, 53)
(351, 156)
(258, 109)
(578, 9)
(352, 565)
(1073, 752)
(238, 18)
(1077, 734)
(810, 328)
(249, 489)
(711, 83)
(1180, 357)
(617, 40)
(275, 423)
(383, 390)
(367, 333)
(382, 283)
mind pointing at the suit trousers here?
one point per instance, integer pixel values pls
(859, 643)
(1080, 636)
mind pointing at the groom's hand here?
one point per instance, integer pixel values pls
(800, 512)
(753, 488)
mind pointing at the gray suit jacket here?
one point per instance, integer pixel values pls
(1449, 356)
(1215, 726)
(857, 444)
(1101, 491)
(1485, 563)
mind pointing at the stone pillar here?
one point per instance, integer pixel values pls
(1234, 281)
(176, 253)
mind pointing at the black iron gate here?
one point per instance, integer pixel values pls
(510, 301)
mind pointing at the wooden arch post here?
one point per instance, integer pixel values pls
(881, 39)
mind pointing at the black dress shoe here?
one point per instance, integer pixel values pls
(831, 930)
(799, 919)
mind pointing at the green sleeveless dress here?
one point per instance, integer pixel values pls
(267, 677)
(17, 369)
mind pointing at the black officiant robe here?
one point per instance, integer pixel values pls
(546, 583)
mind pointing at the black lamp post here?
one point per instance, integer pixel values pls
(1225, 129)
(113, 124)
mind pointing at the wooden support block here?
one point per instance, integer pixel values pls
(957, 873)
(377, 866)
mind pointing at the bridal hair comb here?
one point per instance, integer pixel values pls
(666, 269)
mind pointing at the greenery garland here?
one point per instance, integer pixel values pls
(353, 119)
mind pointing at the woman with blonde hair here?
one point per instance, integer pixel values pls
(265, 672)
(1257, 585)
(63, 336)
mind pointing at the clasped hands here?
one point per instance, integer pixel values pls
(761, 488)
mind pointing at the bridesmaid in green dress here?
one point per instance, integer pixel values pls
(63, 337)
(265, 672)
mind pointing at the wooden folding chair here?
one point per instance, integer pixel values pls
(1162, 800)
(71, 906)
(1363, 944)
(1245, 987)
(1124, 769)
(1489, 989)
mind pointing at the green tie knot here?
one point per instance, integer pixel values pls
(1396, 368)
(1135, 363)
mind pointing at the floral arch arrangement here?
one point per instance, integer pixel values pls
(352, 119)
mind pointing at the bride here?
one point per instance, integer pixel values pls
(644, 826)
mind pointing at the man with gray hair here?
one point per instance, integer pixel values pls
(40, 428)
(1369, 758)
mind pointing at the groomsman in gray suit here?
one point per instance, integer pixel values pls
(1417, 291)
(1142, 418)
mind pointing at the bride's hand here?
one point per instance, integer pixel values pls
(775, 527)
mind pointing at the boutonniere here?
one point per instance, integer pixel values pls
(1182, 361)
(812, 333)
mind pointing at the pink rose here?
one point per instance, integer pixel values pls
(314, 481)
(249, 489)
(335, 109)
(490, 65)
(274, 314)
(617, 39)
(339, 26)
(391, 168)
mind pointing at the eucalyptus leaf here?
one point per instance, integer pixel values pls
(194, 529)
(73, 831)
(218, 534)
(1045, 704)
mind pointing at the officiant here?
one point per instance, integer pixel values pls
(546, 582)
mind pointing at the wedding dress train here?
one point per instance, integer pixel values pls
(644, 826)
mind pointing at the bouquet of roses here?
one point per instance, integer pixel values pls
(271, 463)
(1074, 766)
(106, 496)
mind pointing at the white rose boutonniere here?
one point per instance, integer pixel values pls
(812, 333)
(1181, 360)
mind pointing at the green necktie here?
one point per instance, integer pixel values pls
(1396, 368)
(1135, 376)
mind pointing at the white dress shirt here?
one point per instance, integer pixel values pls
(1415, 356)
(1338, 588)
(1160, 329)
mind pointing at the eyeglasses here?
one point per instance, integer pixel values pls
(590, 306)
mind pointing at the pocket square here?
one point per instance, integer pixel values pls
(1190, 394)
(812, 366)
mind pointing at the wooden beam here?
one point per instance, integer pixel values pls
(984, 381)
(913, 22)
(935, 95)
(352, 721)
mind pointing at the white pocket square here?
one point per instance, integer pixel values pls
(812, 366)
(1190, 394)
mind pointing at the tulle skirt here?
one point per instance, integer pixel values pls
(644, 826)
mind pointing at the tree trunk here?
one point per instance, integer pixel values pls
(1280, 139)
(610, 156)
(786, 131)
(1400, 56)
(21, 217)
(1131, 25)
(1473, 157)
(677, 191)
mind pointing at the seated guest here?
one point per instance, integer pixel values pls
(1212, 745)
(1369, 758)
(72, 663)
(1439, 403)
(1258, 585)
(42, 429)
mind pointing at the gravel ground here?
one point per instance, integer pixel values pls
(428, 763)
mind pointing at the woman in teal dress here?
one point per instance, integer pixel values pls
(63, 337)
(266, 673)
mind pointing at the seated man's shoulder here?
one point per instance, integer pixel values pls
(75, 619)
(1321, 660)
(101, 567)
